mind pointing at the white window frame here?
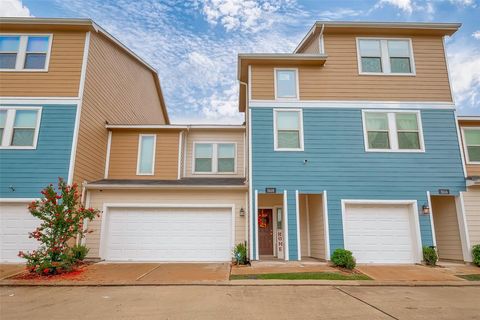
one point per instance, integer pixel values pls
(464, 138)
(9, 126)
(22, 51)
(139, 152)
(297, 85)
(275, 138)
(385, 57)
(393, 132)
(214, 158)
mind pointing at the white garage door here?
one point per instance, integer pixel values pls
(15, 224)
(167, 234)
(380, 233)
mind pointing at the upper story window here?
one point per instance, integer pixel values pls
(214, 158)
(471, 137)
(385, 56)
(146, 154)
(24, 52)
(19, 127)
(288, 127)
(286, 83)
(393, 131)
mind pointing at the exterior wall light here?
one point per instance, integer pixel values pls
(425, 209)
(242, 212)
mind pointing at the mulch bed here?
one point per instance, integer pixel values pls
(77, 274)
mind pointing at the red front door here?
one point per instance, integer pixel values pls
(265, 231)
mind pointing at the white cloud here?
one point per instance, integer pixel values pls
(13, 8)
(340, 13)
(476, 34)
(404, 5)
(464, 3)
(464, 65)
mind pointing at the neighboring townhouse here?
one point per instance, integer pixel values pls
(61, 80)
(170, 193)
(470, 138)
(354, 144)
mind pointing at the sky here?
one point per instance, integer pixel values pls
(194, 44)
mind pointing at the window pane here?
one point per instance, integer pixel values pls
(203, 165)
(226, 150)
(286, 84)
(288, 139)
(370, 48)
(472, 137)
(398, 48)
(376, 121)
(406, 121)
(25, 118)
(378, 140)
(8, 60)
(23, 137)
(146, 154)
(226, 165)
(473, 153)
(371, 65)
(37, 44)
(9, 43)
(400, 65)
(288, 120)
(35, 60)
(203, 150)
(3, 118)
(408, 140)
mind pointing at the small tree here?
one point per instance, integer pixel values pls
(62, 218)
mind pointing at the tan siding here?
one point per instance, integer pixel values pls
(338, 79)
(472, 212)
(447, 232)
(317, 238)
(313, 47)
(63, 76)
(124, 152)
(98, 198)
(237, 136)
(118, 89)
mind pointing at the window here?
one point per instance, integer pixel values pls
(214, 158)
(393, 131)
(385, 56)
(472, 144)
(288, 130)
(286, 86)
(146, 154)
(24, 52)
(19, 127)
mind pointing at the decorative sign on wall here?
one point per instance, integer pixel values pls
(443, 191)
(280, 253)
(270, 190)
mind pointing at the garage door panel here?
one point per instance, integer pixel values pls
(380, 233)
(168, 234)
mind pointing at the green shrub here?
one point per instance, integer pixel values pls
(476, 254)
(343, 258)
(430, 256)
(79, 252)
(240, 253)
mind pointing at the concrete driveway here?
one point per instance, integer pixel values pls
(239, 302)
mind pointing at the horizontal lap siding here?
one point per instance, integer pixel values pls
(62, 78)
(338, 163)
(472, 213)
(29, 171)
(119, 90)
(182, 197)
(338, 79)
(124, 152)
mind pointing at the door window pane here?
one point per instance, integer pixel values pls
(147, 150)
(286, 83)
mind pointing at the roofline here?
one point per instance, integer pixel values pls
(278, 56)
(90, 23)
(172, 126)
(452, 26)
(468, 118)
(92, 186)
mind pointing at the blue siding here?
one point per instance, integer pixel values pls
(338, 163)
(28, 171)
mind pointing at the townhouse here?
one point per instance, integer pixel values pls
(354, 144)
(61, 80)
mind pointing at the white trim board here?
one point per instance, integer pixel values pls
(107, 158)
(40, 100)
(300, 130)
(297, 208)
(360, 104)
(326, 226)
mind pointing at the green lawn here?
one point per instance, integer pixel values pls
(471, 277)
(299, 276)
